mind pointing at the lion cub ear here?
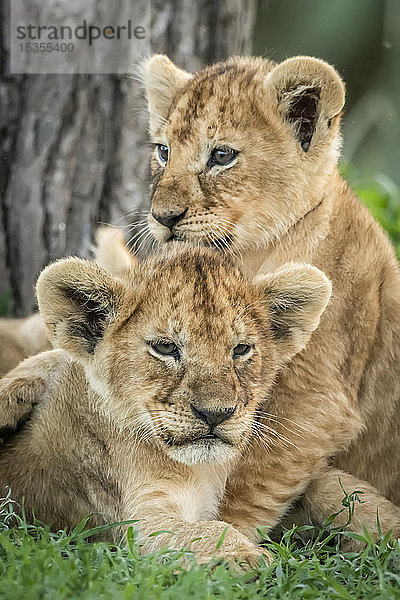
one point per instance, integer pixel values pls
(162, 80)
(78, 300)
(309, 95)
(297, 295)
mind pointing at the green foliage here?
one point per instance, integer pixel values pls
(36, 563)
(382, 197)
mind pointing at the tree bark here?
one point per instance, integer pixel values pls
(73, 148)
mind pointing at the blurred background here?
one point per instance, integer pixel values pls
(74, 151)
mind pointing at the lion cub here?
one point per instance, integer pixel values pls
(154, 391)
(244, 159)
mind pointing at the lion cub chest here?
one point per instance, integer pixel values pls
(191, 494)
(198, 498)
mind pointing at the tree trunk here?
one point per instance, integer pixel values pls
(73, 148)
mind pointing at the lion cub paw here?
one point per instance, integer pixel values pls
(238, 550)
(242, 557)
(18, 396)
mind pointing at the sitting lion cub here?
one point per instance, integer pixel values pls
(244, 159)
(154, 391)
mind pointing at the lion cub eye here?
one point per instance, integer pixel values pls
(221, 156)
(241, 350)
(162, 152)
(166, 349)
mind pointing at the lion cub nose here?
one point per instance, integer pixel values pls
(169, 219)
(211, 417)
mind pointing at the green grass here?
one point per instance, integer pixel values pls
(38, 564)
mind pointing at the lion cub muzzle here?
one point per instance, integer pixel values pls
(212, 418)
(169, 219)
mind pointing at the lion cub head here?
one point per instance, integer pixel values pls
(182, 349)
(242, 149)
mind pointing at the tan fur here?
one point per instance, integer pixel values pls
(280, 201)
(19, 338)
(117, 431)
(110, 251)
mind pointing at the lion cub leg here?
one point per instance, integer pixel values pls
(22, 387)
(167, 508)
(323, 497)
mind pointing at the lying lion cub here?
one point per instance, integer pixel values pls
(154, 392)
